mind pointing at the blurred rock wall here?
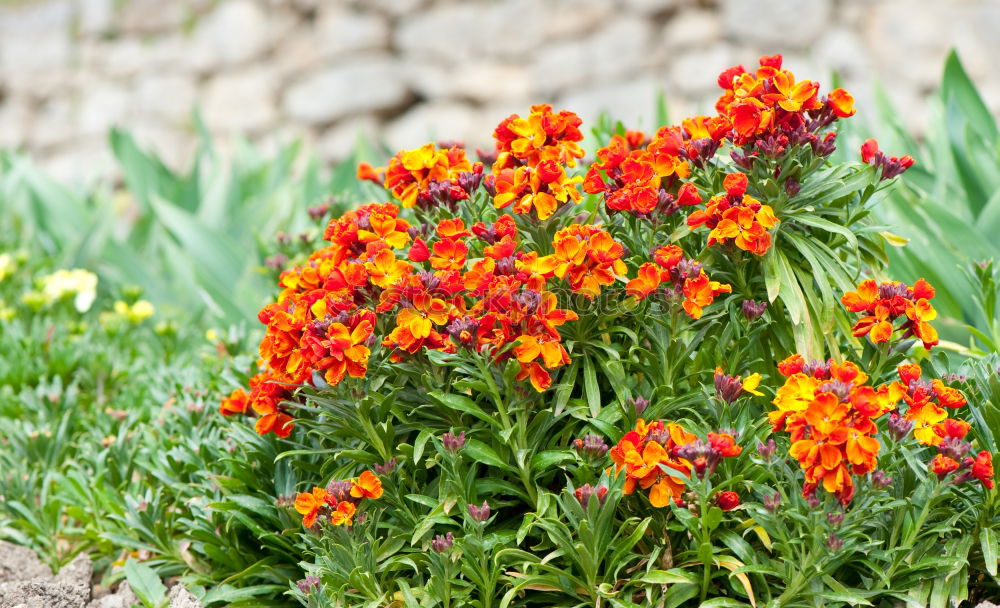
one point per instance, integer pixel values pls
(408, 70)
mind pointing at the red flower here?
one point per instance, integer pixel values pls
(728, 501)
(942, 466)
(982, 469)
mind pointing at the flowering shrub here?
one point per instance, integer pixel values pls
(471, 350)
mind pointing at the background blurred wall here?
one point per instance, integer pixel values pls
(406, 70)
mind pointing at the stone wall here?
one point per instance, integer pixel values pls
(407, 70)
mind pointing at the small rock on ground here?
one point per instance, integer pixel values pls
(181, 598)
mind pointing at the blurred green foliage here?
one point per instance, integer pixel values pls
(193, 239)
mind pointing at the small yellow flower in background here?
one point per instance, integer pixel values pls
(212, 335)
(34, 299)
(6, 312)
(7, 265)
(136, 313)
(78, 282)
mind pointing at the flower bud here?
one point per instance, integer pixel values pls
(308, 584)
(834, 542)
(899, 427)
(836, 518)
(385, 467)
(772, 502)
(792, 187)
(440, 544)
(591, 446)
(752, 309)
(954, 448)
(316, 213)
(727, 388)
(479, 514)
(585, 492)
(639, 404)
(880, 479)
(453, 443)
(767, 450)
(276, 261)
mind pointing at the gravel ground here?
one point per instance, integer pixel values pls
(25, 582)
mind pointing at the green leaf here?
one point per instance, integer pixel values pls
(543, 461)
(477, 450)
(668, 577)
(463, 404)
(145, 582)
(988, 542)
(591, 389)
(956, 85)
(723, 602)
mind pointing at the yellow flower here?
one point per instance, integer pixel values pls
(7, 265)
(80, 283)
(750, 384)
(136, 313)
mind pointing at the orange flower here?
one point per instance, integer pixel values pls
(699, 292)
(883, 303)
(368, 485)
(385, 270)
(309, 505)
(841, 102)
(982, 469)
(587, 257)
(449, 254)
(650, 277)
(235, 403)
(543, 188)
(345, 350)
(737, 217)
(942, 466)
(385, 228)
(343, 514)
(368, 173)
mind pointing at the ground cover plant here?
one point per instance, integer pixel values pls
(106, 447)
(677, 373)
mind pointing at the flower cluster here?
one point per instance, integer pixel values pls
(688, 281)
(979, 468)
(925, 413)
(427, 176)
(881, 304)
(643, 180)
(532, 156)
(338, 502)
(647, 453)
(736, 217)
(829, 413)
(659, 458)
(586, 256)
(768, 111)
